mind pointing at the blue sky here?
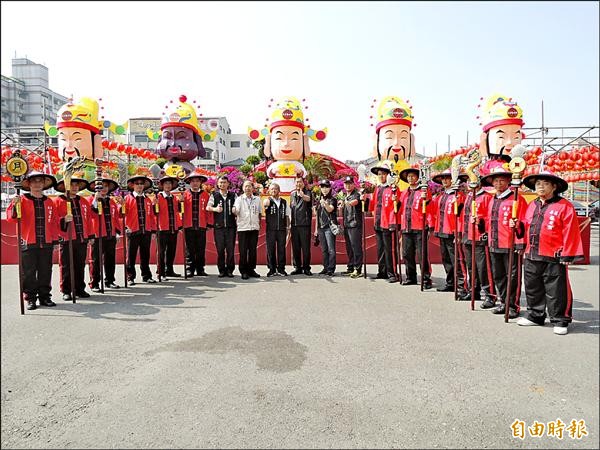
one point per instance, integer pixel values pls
(234, 57)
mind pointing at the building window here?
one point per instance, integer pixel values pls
(140, 138)
(235, 144)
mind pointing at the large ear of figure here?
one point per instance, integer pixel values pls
(412, 152)
(97, 144)
(201, 149)
(267, 147)
(483, 145)
(306, 146)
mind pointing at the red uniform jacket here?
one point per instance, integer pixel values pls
(552, 231)
(411, 212)
(163, 213)
(85, 208)
(445, 214)
(28, 235)
(497, 222)
(115, 218)
(388, 217)
(131, 214)
(482, 200)
(204, 216)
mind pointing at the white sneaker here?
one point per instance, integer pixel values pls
(560, 330)
(525, 322)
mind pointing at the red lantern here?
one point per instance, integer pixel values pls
(563, 156)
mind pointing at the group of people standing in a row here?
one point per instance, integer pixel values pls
(546, 230)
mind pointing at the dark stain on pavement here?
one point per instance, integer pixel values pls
(274, 350)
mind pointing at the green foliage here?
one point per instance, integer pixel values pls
(253, 160)
(260, 148)
(260, 177)
(442, 164)
(246, 169)
(318, 168)
(161, 162)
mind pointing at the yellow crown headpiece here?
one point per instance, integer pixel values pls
(182, 114)
(500, 110)
(85, 115)
(288, 112)
(393, 110)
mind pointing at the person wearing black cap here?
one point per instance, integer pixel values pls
(195, 222)
(107, 225)
(497, 225)
(169, 224)
(81, 232)
(326, 213)
(140, 221)
(277, 218)
(352, 213)
(221, 204)
(39, 222)
(411, 218)
(301, 209)
(382, 207)
(553, 241)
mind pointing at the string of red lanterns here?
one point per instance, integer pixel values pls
(129, 150)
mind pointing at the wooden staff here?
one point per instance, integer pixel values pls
(365, 207)
(396, 246)
(181, 177)
(517, 166)
(473, 226)
(124, 235)
(98, 188)
(424, 178)
(70, 234)
(156, 211)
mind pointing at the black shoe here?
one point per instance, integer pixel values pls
(112, 286)
(445, 289)
(308, 273)
(330, 274)
(150, 281)
(131, 283)
(498, 309)
(254, 274)
(202, 273)
(427, 284)
(282, 273)
(466, 296)
(270, 273)
(296, 272)
(229, 274)
(31, 305)
(512, 313)
(189, 275)
(393, 279)
(95, 289)
(323, 272)
(380, 276)
(487, 304)
(222, 274)
(47, 302)
(67, 297)
(348, 271)
(245, 276)
(82, 294)
(409, 282)
(173, 275)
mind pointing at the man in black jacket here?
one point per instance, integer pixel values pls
(301, 209)
(221, 204)
(353, 218)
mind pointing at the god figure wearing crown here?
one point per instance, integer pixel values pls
(286, 141)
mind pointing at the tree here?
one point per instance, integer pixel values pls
(260, 148)
(318, 168)
(246, 169)
(253, 160)
(260, 177)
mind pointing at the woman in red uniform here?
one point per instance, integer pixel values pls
(553, 241)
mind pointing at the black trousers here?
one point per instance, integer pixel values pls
(301, 247)
(37, 273)
(411, 251)
(447, 250)
(276, 250)
(79, 257)
(247, 243)
(500, 273)
(385, 261)
(225, 244)
(141, 242)
(168, 247)
(547, 286)
(195, 250)
(482, 281)
(109, 246)
(353, 238)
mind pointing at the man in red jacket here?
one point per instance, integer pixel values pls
(446, 208)
(169, 224)
(553, 242)
(140, 221)
(195, 222)
(107, 225)
(78, 228)
(382, 207)
(498, 228)
(411, 210)
(39, 225)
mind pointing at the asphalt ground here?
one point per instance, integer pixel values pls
(292, 362)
